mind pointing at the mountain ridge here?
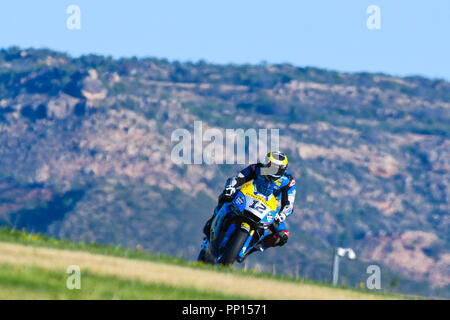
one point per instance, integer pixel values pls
(86, 143)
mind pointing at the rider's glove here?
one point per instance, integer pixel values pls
(280, 217)
(229, 191)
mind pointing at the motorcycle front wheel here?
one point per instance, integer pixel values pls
(234, 246)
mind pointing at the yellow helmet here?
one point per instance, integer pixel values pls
(275, 165)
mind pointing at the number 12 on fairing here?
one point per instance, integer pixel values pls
(261, 208)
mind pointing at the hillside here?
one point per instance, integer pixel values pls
(85, 146)
(34, 267)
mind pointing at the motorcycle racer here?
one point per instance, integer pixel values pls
(271, 176)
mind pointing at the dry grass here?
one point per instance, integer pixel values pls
(166, 274)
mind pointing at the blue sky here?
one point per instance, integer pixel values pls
(414, 38)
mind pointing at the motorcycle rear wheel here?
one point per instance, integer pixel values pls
(201, 256)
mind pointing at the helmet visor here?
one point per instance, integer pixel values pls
(273, 171)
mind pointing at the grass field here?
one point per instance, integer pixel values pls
(25, 282)
(34, 267)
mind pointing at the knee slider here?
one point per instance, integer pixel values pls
(283, 237)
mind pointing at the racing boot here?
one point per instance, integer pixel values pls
(201, 255)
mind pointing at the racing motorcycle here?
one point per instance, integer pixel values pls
(239, 226)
